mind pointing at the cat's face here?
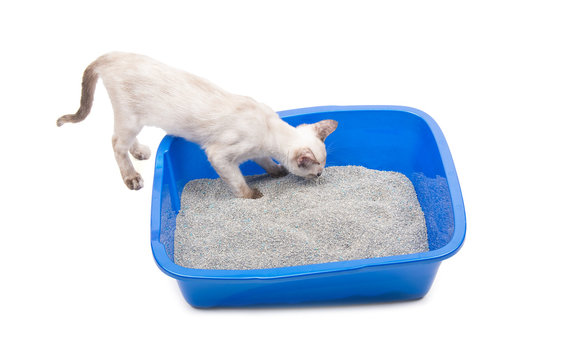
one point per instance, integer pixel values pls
(307, 159)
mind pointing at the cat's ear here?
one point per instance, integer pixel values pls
(324, 128)
(306, 158)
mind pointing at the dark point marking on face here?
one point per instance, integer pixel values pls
(305, 158)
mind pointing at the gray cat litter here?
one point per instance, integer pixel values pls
(349, 213)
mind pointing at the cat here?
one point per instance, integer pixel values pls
(230, 128)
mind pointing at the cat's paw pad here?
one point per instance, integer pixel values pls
(140, 152)
(134, 182)
(279, 171)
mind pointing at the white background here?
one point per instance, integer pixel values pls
(77, 273)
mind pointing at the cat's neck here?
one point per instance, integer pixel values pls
(281, 139)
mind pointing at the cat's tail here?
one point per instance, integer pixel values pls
(89, 80)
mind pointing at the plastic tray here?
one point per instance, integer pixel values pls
(378, 137)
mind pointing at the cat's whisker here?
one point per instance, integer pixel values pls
(331, 148)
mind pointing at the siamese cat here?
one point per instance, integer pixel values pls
(230, 128)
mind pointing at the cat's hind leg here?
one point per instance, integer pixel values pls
(139, 151)
(272, 168)
(122, 141)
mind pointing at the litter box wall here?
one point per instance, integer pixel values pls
(377, 137)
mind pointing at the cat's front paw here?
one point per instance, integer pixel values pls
(252, 194)
(134, 182)
(278, 171)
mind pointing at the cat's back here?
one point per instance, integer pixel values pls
(177, 101)
(118, 57)
(152, 86)
(137, 71)
(129, 66)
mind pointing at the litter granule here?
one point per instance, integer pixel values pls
(349, 213)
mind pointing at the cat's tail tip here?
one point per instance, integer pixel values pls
(71, 118)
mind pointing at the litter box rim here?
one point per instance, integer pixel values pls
(182, 273)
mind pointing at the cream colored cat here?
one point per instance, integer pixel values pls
(230, 128)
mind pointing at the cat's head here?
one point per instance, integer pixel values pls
(308, 157)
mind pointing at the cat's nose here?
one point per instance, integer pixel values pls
(319, 173)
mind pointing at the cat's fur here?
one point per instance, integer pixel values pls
(230, 128)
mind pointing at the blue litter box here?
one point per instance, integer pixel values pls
(377, 137)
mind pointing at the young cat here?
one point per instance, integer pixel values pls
(230, 128)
